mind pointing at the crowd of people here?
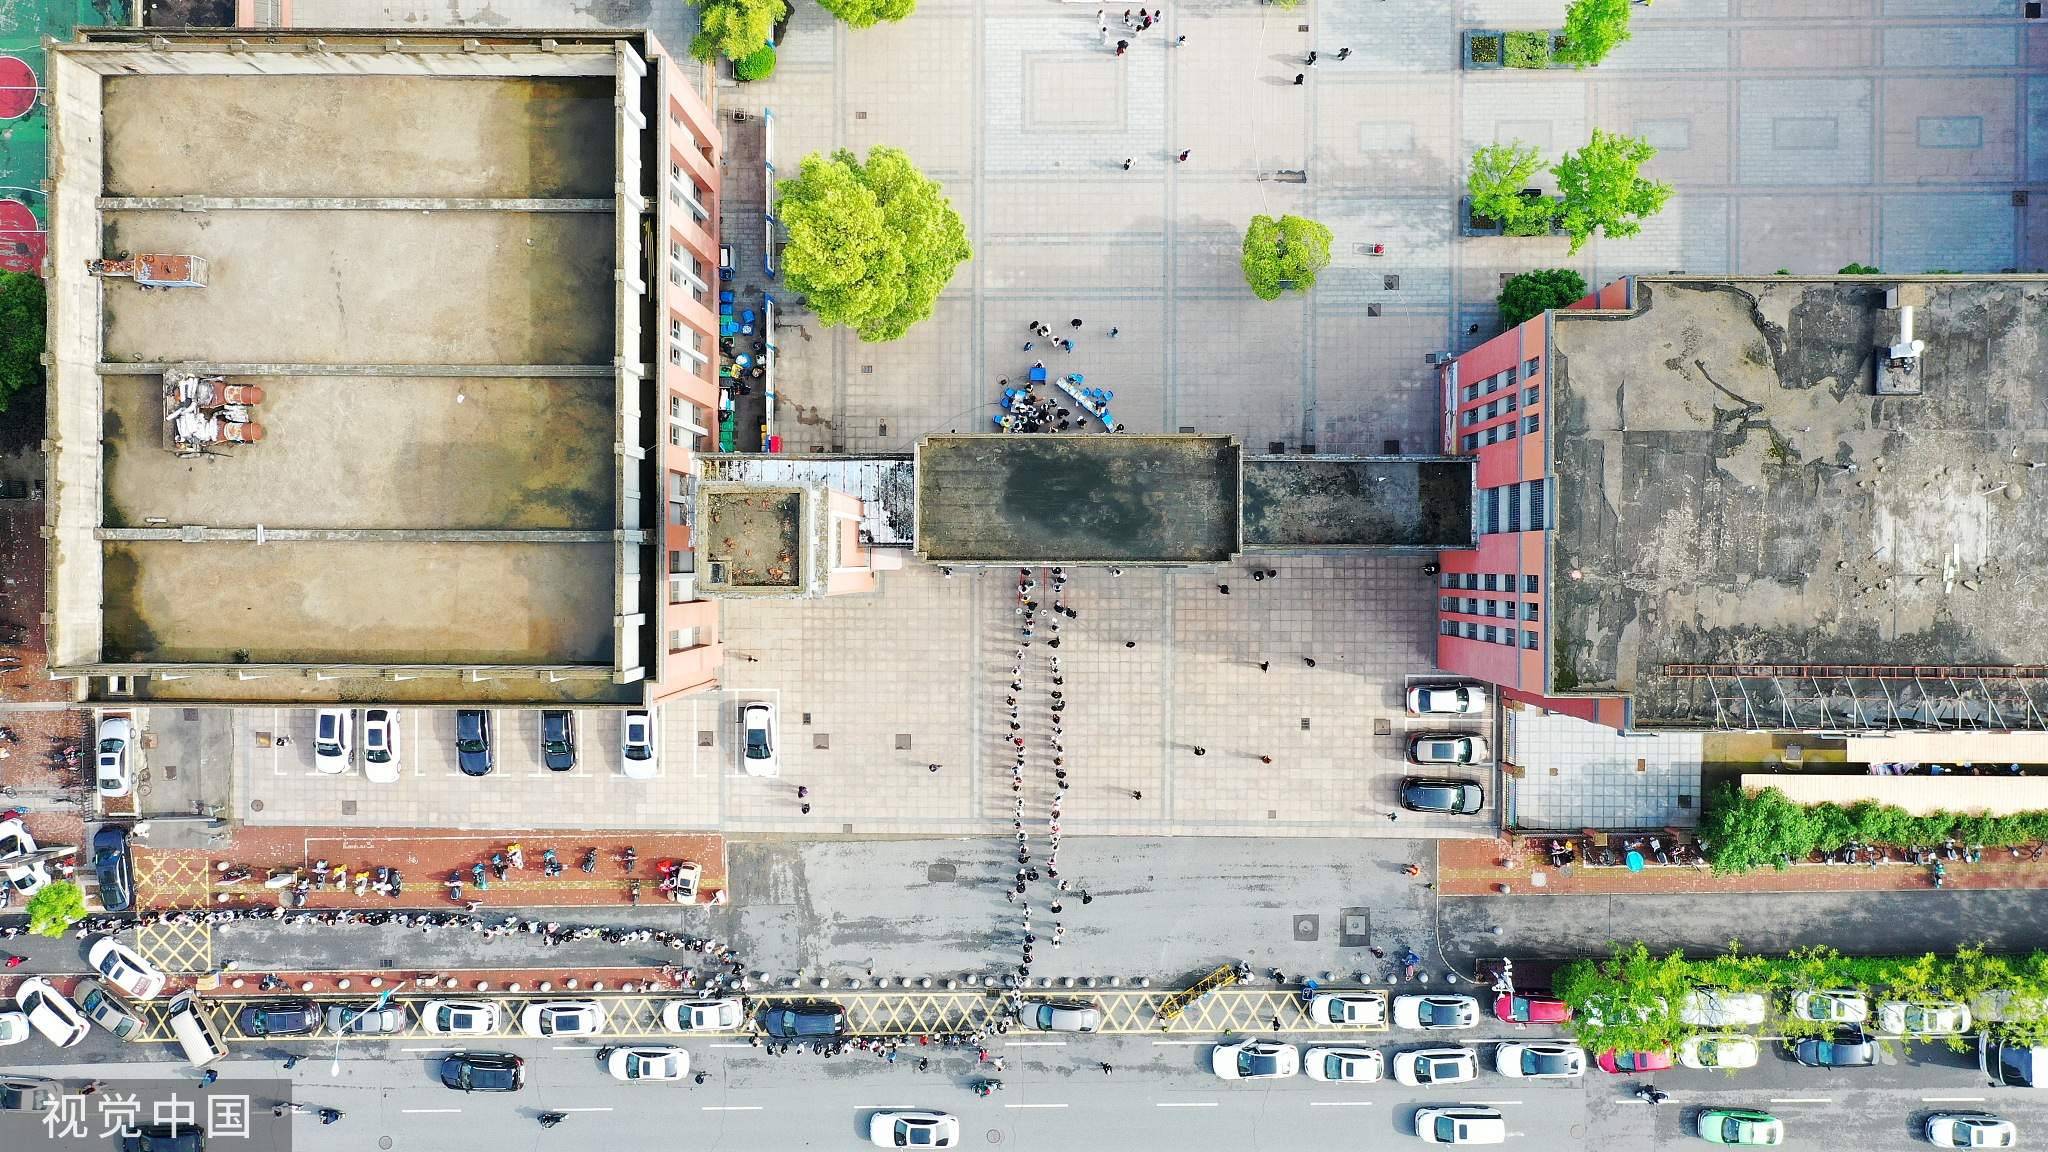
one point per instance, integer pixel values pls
(1041, 733)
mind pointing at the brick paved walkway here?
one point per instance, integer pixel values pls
(1473, 868)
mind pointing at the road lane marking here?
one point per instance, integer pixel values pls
(727, 1108)
(1179, 1104)
(417, 1111)
(1180, 1043)
(1034, 1043)
(582, 1109)
(1953, 1099)
(1034, 1105)
(1340, 1103)
(426, 1049)
(1801, 1100)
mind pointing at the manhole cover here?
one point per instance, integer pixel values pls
(995, 1135)
(942, 873)
(255, 805)
(1355, 928)
(1307, 927)
(383, 1141)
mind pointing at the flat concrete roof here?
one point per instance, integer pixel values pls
(1325, 502)
(419, 253)
(756, 534)
(1707, 511)
(1076, 499)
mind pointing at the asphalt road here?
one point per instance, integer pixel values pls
(1159, 1096)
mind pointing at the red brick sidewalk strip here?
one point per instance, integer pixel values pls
(425, 858)
(1473, 868)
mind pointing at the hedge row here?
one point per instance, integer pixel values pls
(1765, 829)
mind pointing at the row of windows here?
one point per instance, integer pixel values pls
(683, 189)
(685, 270)
(1488, 633)
(1502, 379)
(1488, 581)
(700, 364)
(1531, 424)
(1490, 409)
(1516, 507)
(1472, 606)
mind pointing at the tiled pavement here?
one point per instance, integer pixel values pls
(1569, 774)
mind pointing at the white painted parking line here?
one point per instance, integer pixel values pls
(1340, 1103)
(1034, 1105)
(421, 1111)
(1801, 1100)
(1183, 1104)
(1034, 1043)
(732, 1107)
(1953, 1099)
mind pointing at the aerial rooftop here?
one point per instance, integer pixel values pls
(1328, 502)
(1098, 498)
(1731, 491)
(408, 293)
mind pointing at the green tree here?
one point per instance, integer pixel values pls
(1284, 253)
(21, 334)
(1591, 30)
(735, 29)
(756, 65)
(1530, 294)
(1603, 189)
(866, 13)
(1499, 173)
(1859, 270)
(57, 907)
(871, 245)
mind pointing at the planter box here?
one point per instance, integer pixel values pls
(1485, 42)
(1471, 225)
(1517, 45)
(1557, 38)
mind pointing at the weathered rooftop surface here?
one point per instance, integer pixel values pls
(1327, 502)
(423, 277)
(1078, 499)
(752, 536)
(1731, 491)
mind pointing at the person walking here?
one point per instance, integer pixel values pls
(1127, 168)
(329, 1115)
(936, 767)
(1121, 46)
(1298, 79)
(1184, 154)
(1343, 53)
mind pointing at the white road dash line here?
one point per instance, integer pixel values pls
(1183, 1104)
(729, 1108)
(582, 1109)
(1180, 1043)
(1952, 1099)
(1496, 1103)
(1801, 1100)
(1340, 1103)
(418, 1111)
(1034, 1043)
(1034, 1105)
(426, 1049)
(884, 1107)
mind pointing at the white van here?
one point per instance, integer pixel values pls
(194, 1035)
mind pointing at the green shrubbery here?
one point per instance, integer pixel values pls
(1765, 829)
(21, 334)
(1635, 996)
(1528, 49)
(756, 65)
(1530, 294)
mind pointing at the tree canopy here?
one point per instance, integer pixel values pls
(1499, 173)
(866, 13)
(22, 322)
(57, 907)
(1530, 294)
(1591, 30)
(1284, 253)
(1602, 188)
(735, 29)
(871, 245)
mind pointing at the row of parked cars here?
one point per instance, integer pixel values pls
(22, 874)
(338, 734)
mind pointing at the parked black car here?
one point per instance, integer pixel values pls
(164, 1138)
(115, 869)
(473, 741)
(2011, 1065)
(1434, 794)
(814, 1018)
(278, 1018)
(558, 739)
(484, 1072)
(1848, 1047)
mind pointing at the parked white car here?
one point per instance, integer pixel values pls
(1255, 1060)
(114, 770)
(562, 1018)
(1461, 1124)
(1539, 1060)
(1970, 1130)
(1922, 1018)
(1343, 1063)
(760, 743)
(382, 746)
(459, 1017)
(25, 878)
(1727, 1051)
(1436, 1012)
(1448, 699)
(49, 1012)
(911, 1129)
(700, 1015)
(334, 740)
(638, 747)
(1349, 1009)
(14, 1028)
(1721, 1008)
(1431, 1066)
(125, 968)
(647, 1063)
(1832, 1006)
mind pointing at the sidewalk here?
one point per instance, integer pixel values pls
(183, 879)
(1473, 868)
